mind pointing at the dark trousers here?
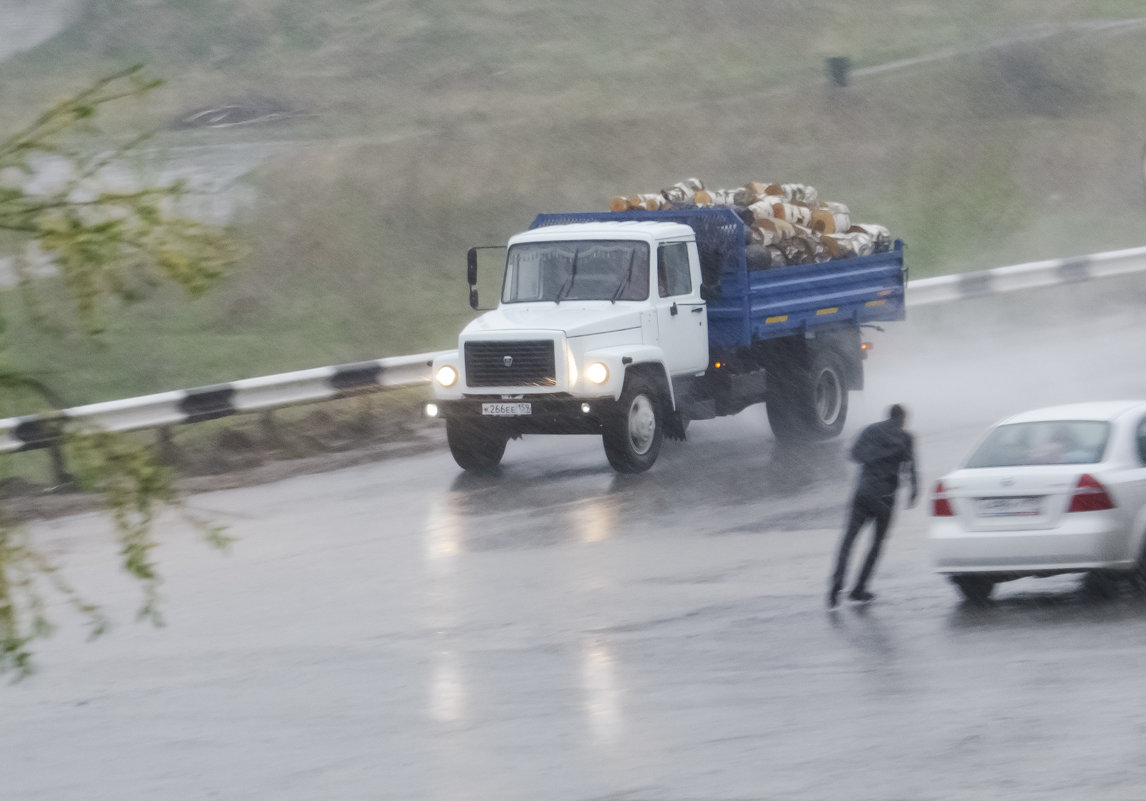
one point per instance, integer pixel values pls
(864, 508)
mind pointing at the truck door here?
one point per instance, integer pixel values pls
(682, 319)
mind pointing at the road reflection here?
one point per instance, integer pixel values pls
(708, 490)
(447, 687)
(593, 520)
(443, 535)
(1066, 603)
(602, 694)
(863, 630)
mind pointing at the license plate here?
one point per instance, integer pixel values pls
(506, 409)
(1025, 506)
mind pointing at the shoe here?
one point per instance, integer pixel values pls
(861, 595)
(833, 599)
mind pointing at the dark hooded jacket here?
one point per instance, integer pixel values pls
(883, 449)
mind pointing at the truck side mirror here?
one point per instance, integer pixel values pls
(472, 272)
(490, 280)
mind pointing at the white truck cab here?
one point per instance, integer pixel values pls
(586, 310)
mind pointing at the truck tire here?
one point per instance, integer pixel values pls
(782, 407)
(635, 431)
(828, 408)
(475, 447)
(812, 406)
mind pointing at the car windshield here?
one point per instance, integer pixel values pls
(1044, 442)
(577, 270)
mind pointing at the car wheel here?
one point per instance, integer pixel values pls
(475, 447)
(1137, 576)
(1102, 585)
(975, 588)
(634, 432)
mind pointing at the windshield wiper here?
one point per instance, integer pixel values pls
(628, 276)
(568, 285)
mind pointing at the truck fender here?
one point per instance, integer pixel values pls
(646, 360)
(844, 344)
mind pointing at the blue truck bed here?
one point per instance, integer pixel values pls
(745, 306)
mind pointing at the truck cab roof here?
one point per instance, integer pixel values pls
(629, 229)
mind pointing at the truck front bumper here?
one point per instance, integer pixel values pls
(531, 414)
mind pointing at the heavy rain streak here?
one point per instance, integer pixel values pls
(407, 630)
(387, 625)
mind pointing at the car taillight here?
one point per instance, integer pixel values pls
(1090, 496)
(940, 506)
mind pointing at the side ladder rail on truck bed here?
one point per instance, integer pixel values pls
(862, 289)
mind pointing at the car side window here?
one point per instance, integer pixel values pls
(1141, 435)
(673, 276)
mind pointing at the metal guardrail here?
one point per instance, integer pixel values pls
(947, 288)
(324, 383)
(221, 400)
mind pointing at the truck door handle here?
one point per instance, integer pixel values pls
(697, 309)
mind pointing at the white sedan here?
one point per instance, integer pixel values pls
(1049, 491)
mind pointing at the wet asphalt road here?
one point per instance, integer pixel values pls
(406, 631)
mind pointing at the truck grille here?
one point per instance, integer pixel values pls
(528, 363)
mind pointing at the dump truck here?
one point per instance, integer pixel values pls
(630, 325)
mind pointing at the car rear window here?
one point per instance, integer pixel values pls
(1046, 442)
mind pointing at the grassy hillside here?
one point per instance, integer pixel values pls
(982, 133)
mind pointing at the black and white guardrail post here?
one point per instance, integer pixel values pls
(948, 288)
(213, 402)
(324, 383)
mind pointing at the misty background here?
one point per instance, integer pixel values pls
(358, 148)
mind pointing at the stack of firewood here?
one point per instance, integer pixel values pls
(787, 223)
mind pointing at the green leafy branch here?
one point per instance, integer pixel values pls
(103, 245)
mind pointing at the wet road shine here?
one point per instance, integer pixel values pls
(406, 631)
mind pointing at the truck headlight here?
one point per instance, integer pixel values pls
(597, 372)
(447, 375)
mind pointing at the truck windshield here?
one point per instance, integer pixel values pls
(577, 270)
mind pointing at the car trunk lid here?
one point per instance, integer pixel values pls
(1011, 498)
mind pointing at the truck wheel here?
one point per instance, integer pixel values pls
(811, 406)
(783, 414)
(475, 447)
(634, 432)
(828, 403)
